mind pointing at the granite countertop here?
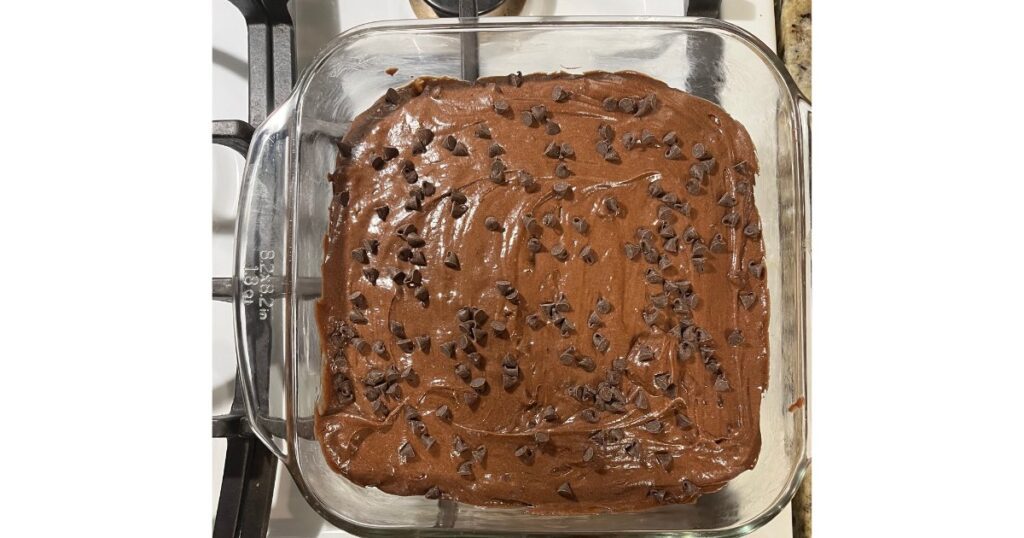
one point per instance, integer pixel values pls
(794, 34)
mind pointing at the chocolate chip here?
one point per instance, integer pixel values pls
(747, 299)
(358, 300)
(568, 357)
(603, 306)
(644, 354)
(433, 493)
(470, 398)
(423, 342)
(647, 138)
(466, 468)
(516, 79)
(561, 189)
(406, 451)
(603, 147)
(459, 210)
(539, 113)
(561, 170)
(390, 152)
(611, 156)
(565, 490)
(672, 245)
(534, 321)
(549, 414)
(646, 105)
(565, 327)
(418, 258)
(377, 162)
(607, 134)
(693, 186)
(594, 320)
(673, 153)
(483, 131)
(566, 150)
(641, 401)
(627, 105)
(756, 268)
(493, 225)
(631, 251)
(601, 343)
(479, 384)
(721, 384)
(653, 426)
(448, 349)
(357, 316)
(552, 128)
(588, 255)
(559, 95)
(610, 103)
(735, 337)
(588, 454)
(479, 453)
(527, 181)
(731, 219)
(727, 200)
(383, 212)
(524, 453)
(628, 139)
(527, 118)
(360, 255)
(371, 273)
(427, 440)
(752, 230)
(541, 437)
(698, 151)
(462, 371)
(612, 205)
(651, 276)
(413, 204)
(533, 245)
(663, 381)
(362, 346)
(449, 142)
(551, 150)
(500, 106)
(586, 363)
(633, 448)
(559, 252)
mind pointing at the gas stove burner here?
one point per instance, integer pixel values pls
(429, 9)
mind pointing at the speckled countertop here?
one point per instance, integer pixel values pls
(795, 40)
(794, 34)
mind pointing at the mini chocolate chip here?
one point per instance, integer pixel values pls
(406, 451)
(483, 131)
(559, 95)
(382, 212)
(541, 437)
(527, 181)
(433, 493)
(358, 317)
(672, 245)
(358, 300)
(561, 170)
(633, 448)
(470, 398)
(651, 276)
(539, 112)
(747, 299)
(611, 156)
(492, 224)
(698, 151)
(756, 268)
(646, 105)
(444, 413)
(603, 306)
(371, 273)
(418, 258)
(663, 381)
(559, 252)
(413, 204)
(594, 320)
(566, 150)
(603, 147)
(551, 150)
(409, 172)
(607, 133)
(561, 189)
(628, 139)
(552, 128)
(533, 245)
(462, 371)
(727, 200)
(423, 342)
(717, 244)
(391, 96)
(693, 186)
(610, 103)
(722, 384)
(527, 118)
(612, 205)
(406, 345)
(586, 363)
(568, 357)
(673, 153)
(735, 337)
(448, 349)
(644, 354)
(588, 255)
(641, 401)
(449, 142)
(653, 426)
(479, 453)
(627, 105)
(479, 384)
(362, 346)
(459, 210)
(752, 230)
(360, 255)
(390, 152)
(731, 219)
(524, 453)
(665, 230)
(516, 79)
(534, 321)
(414, 240)
(377, 162)
(466, 468)
(500, 106)
(647, 138)
(451, 260)
(549, 414)
(631, 251)
(588, 454)
(460, 150)
(601, 343)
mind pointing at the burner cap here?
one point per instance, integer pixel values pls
(450, 8)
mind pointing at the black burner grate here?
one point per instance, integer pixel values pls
(250, 469)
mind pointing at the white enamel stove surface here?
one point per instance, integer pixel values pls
(316, 22)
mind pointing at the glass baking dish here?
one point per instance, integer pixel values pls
(283, 215)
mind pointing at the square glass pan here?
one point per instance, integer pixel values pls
(283, 216)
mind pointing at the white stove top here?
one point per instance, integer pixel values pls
(316, 22)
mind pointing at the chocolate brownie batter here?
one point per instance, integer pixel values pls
(544, 291)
